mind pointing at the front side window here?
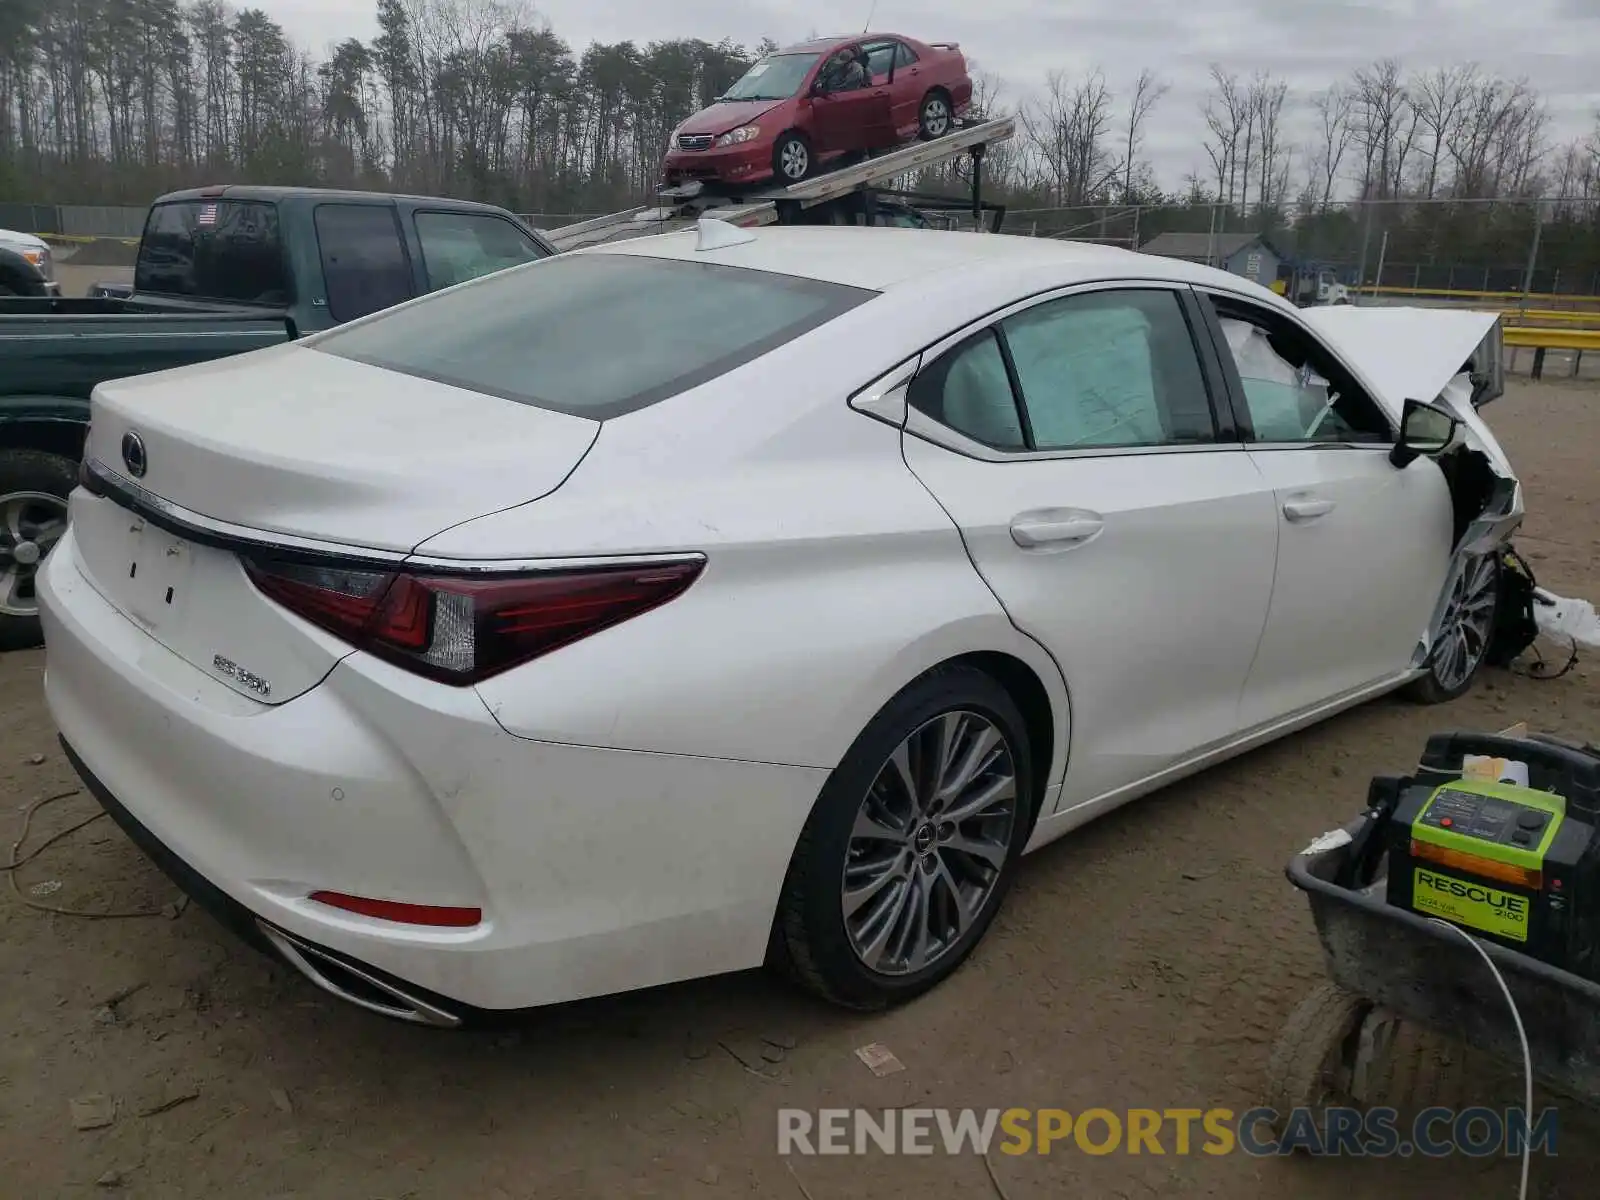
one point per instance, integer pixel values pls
(594, 335)
(458, 246)
(776, 77)
(1293, 390)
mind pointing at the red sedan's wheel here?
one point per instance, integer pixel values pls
(934, 118)
(791, 158)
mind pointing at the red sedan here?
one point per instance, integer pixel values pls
(808, 104)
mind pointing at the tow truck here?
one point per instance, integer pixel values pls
(849, 195)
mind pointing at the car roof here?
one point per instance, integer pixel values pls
(250, 191)
(817, 45)
(886, 259)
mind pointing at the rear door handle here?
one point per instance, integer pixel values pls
(1055, 528)
(1307, 510)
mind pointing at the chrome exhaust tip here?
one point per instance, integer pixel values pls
(355, 986)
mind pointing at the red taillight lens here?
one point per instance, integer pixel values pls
(461, 629)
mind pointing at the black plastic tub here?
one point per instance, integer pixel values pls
(1430, 975)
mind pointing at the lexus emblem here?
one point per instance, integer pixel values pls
(133, 456)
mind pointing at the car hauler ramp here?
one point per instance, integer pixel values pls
(680, 207)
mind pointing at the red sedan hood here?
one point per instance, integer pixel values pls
(720, 118)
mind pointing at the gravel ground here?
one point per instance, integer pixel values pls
(1147, 961)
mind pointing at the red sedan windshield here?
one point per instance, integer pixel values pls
(774, 78)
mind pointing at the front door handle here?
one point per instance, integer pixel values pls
(1307, 510)
(1055, 528)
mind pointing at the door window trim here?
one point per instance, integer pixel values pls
(925, 428)
(1234, 384)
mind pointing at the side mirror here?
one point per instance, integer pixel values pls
(1424, 429)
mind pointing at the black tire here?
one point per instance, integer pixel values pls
(790, 154)
(23, 471)
(936, 115)
(1430, 688)
(811, 940)
(1315, 1047)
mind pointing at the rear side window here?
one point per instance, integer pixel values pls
(214, 250)
(459, 246)
(364, 265)
(594, 335)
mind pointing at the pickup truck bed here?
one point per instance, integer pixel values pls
(55, 356)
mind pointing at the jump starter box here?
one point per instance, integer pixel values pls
(1514, 860)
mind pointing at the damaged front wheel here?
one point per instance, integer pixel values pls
(1464, 634)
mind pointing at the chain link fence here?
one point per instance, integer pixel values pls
(1547, 247)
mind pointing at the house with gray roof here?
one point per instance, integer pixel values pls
(1248, 254)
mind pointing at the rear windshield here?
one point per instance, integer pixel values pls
(593, 335)
(214, 250)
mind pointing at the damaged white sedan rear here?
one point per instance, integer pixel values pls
(721, 598)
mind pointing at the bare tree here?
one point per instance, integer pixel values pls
(1066, 131)
(1228, 118)
(1499, 121)
(1147, 93)
(1385, 127)
(1267, 99)
(1439, 98)
(1334, 108)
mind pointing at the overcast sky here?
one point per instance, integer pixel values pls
(1310, 43)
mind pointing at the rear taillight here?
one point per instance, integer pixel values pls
(460, 629)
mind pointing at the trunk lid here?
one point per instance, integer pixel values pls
(296, 442)
(292, 443)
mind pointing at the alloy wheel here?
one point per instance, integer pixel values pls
(930, 843)
(1468, 624)
(794, 160)
(31, 523)
(936, 116)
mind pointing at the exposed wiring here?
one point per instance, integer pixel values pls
(1522, 1036)
(13, 861)
(1538, 670)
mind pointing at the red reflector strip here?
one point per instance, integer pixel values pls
(433, 915)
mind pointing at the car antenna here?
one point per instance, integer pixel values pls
(871, 12)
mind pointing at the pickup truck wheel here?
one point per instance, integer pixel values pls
(34, 487)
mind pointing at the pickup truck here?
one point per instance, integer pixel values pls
(26, 265)
(220, 271)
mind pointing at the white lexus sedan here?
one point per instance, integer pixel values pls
(729, 597)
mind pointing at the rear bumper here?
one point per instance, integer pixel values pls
(596, 870)
(358, 983)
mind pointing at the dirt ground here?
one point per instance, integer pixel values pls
(1147, 961)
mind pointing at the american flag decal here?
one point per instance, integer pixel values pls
(208, 214)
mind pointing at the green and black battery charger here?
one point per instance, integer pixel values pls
(1516, 865)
